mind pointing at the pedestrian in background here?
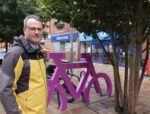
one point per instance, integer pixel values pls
(23, 85)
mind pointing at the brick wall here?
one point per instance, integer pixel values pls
(51, 28)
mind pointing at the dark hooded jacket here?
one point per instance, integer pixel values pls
(23, 86)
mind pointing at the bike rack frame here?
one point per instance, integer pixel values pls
(83, 85)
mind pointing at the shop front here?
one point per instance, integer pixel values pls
(92, 46)
(65, 43)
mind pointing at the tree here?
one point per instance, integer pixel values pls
(9, 20)
(12, 14)
(130, 20)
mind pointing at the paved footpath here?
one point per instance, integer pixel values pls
(100, 104)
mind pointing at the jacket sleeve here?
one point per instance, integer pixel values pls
(7, 91)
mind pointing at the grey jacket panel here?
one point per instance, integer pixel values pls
(7, 97)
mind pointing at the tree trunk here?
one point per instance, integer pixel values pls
(131, 100)
(126, 99)
(118, 87)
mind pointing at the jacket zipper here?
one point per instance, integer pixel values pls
(25, 100)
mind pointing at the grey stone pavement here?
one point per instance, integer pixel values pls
(100, 104)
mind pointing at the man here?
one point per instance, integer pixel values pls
(23, 85)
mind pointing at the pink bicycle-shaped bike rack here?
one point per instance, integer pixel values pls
(83, 86)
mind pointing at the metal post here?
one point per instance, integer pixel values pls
(71, 44)
(78, 46)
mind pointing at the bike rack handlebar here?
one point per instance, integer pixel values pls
(56, 55)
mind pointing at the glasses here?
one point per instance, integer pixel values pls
(33, 29)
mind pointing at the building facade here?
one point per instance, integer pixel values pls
(61, 37)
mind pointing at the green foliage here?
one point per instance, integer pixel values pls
(103, 15)
(28, 7)
(12, 15)
(10, 20)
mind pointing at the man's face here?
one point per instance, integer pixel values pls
(33, 31)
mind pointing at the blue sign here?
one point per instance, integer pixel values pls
(64, 37)
(101, 35)
(84, 37)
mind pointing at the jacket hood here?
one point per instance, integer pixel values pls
(22, 41)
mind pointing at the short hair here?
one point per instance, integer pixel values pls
(33, 17)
